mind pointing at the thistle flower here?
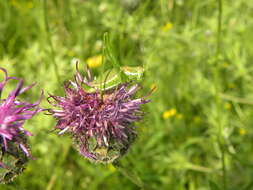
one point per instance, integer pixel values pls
(100, 122)
(14, 151)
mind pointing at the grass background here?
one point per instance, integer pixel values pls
(203, 78)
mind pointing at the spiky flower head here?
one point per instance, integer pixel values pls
(100, 122)
(15, 151)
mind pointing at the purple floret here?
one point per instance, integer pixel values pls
(102, 125)
(13, 114)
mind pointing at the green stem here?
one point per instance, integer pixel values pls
(218, 52)
(52, 52)
(224, 171)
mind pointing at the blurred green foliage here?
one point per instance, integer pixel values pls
(197, 133)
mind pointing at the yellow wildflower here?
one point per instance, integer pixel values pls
(95, 61)
(167, 27)
(242, 131)
(227, 106)
(169, 113)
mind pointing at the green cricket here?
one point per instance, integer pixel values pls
(113, 78)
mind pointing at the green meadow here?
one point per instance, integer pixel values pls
(197, 133)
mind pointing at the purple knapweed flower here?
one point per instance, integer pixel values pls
(15, 151)
(101, 123)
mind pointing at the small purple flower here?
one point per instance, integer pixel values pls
(13, 137)
(102, 124)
